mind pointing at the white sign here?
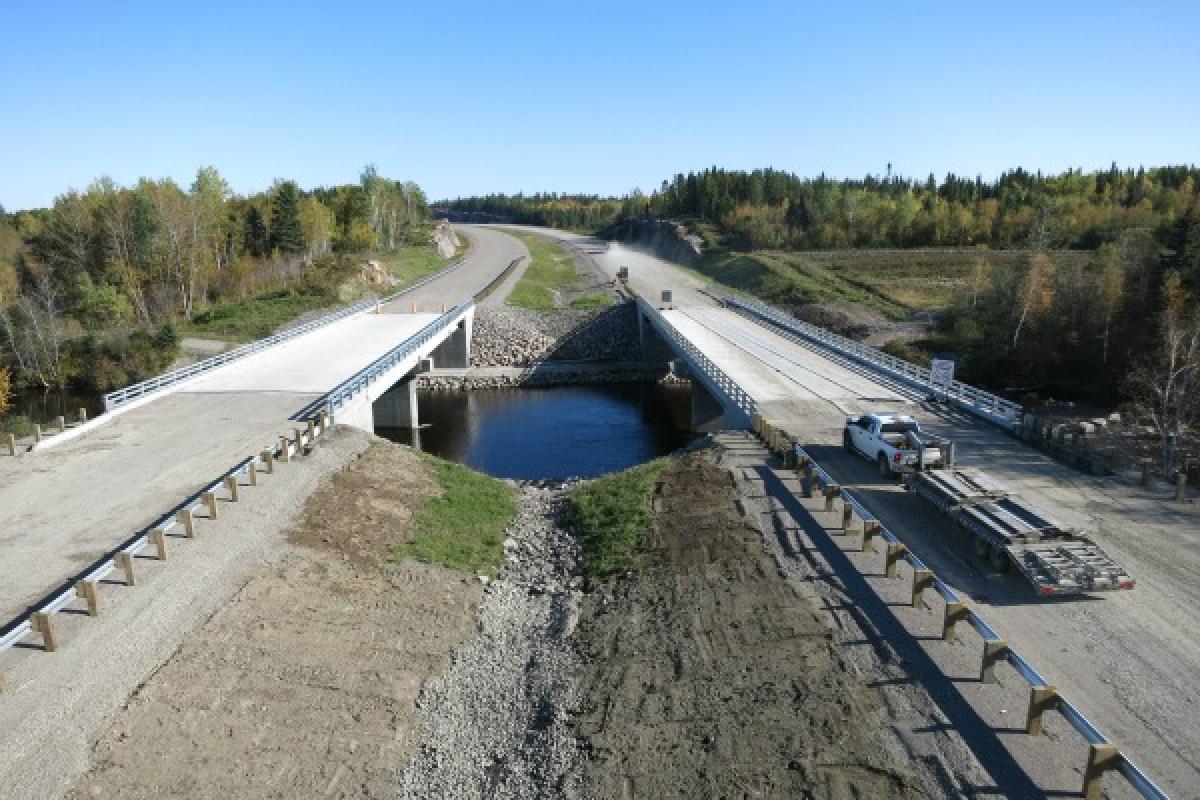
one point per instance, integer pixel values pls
(941, 372)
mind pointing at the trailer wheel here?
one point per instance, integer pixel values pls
(885, 469)
(998, 559)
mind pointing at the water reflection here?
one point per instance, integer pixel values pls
(580, 431)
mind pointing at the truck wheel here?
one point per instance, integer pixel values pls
(847, 442)
(998, 559)
(885, 469)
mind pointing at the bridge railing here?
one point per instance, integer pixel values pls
(975, 401)
(1103, 754)
(360, 380)
(713, 375)
(121, 396)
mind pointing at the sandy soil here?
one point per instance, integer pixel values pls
(707, 675)
(305, 684)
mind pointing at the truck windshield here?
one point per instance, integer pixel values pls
(898, 427)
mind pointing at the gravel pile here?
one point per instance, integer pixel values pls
(496, 724)
(517, 337)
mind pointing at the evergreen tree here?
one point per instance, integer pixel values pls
(286, 235)
(254, 236)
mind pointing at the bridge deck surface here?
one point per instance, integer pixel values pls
(316, 361)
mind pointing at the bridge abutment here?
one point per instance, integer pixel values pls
(654, 349)
(455, 351)
(708, 414)
(397, 407)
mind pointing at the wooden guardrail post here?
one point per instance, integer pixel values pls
(12, 444)
(1101, 758)
(895, 552)
(299, 434)
(37, 434)
(231, 483)
(252, 473)
(285, 449)
(806, 483)
(324, 421)
(847, 516)
(82, 415)
(159, 539)
(922, 580)
(993, 651)
(268, 459)
(43, 623)
(61, 422)
(312, 430)
(86, 590)
(831, 492)
(956, 611)
(125, 562)
(210, 500)
(870, 531)
(1041, 700)
(188, 521)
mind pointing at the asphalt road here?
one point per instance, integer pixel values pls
(62, 508)
(1127, 659)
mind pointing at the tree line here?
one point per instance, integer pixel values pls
(91, 289)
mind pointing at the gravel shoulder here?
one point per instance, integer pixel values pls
(58, 704)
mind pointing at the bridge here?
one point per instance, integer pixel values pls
(750, 367)
(64, 505)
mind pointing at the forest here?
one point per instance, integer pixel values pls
(95, 290)
(1115, 323)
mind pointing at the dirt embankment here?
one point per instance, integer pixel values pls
(706, 675)
(305, 685)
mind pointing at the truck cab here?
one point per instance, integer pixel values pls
(892, 440)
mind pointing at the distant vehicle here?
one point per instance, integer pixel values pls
(1009, 531)
(894, 441)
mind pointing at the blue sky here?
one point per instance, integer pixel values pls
(477, 97)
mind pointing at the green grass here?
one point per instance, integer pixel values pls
(550, 268)
(411, 263)
(463, 528)
(613, 513)
(593, 300)
(257, 316)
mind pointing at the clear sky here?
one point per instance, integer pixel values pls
(477, 97)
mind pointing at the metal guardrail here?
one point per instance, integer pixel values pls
(121, 396)
(714, 377)
(987, 406)
(369, 374)
(995, 647)
(148, 537)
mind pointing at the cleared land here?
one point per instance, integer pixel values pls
(305, 684)
(550, 273)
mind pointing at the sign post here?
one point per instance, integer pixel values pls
(941, 374)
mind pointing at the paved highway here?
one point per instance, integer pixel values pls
(62, 508)
(1127, 659)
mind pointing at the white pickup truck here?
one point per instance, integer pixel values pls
(894, 441)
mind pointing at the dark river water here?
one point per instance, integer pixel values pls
(579, 431)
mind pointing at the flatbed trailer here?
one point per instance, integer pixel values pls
(1009, 530)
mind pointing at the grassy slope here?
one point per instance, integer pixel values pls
(550, 268)
(463, 528)
(263, 314)
(613, 512)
